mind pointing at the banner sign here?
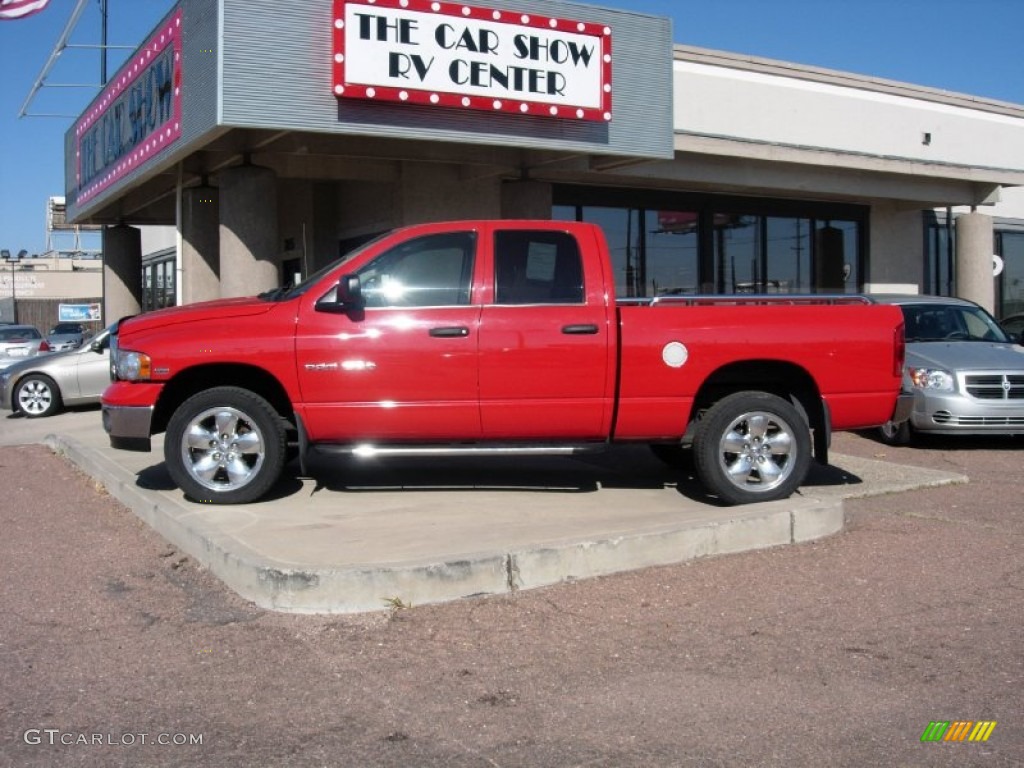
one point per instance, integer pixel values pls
(454, 55)
(136, 117)
(83, 313)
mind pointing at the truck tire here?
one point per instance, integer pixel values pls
(225, 446)
(752, 446)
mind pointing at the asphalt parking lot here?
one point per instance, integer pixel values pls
(118, 649)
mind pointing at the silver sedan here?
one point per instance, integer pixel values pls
(44, 385)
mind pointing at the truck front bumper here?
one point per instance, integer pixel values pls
(128, 409)
(128, 426)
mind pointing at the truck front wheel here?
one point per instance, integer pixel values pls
(225, 446)
(752, 446)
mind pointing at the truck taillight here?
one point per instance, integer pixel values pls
(899, 350)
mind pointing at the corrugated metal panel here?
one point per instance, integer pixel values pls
(277, 75)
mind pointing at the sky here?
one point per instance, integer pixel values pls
(967, 46)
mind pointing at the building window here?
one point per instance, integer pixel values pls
(940, 260)
(159, 284)
(672, 245)
(939, 244)
(1010, 293)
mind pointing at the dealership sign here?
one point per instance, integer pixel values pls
(455, 55)
(137, 116)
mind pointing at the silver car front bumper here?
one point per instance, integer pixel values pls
(951, 413)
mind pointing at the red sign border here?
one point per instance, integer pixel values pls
(342, 89)
(159, 139)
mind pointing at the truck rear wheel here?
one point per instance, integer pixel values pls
(225, 446)
(752, 446)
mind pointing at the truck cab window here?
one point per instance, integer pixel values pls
(430, 271)
(537, 267)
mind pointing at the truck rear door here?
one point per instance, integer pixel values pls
(546, 343)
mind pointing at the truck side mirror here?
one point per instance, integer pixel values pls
(348, 296)
(350, 291)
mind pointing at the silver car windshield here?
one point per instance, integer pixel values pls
(937, 322)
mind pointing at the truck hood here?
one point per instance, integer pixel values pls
(220, 309)
(965, 355)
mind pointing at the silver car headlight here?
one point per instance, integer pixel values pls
(934, 379)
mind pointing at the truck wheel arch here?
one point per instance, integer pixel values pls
(783, 379)
(196, 379)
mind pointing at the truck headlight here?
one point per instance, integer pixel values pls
(931, 378)
(132, 366)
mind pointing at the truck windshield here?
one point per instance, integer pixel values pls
(287, 292)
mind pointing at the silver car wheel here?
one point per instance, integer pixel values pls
(222, 449)
(37, 396)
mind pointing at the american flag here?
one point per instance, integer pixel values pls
(19, 9)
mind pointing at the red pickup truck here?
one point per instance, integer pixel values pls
(499, 338)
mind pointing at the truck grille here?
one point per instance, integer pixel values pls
(995, 386)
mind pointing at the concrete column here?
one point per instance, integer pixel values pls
(526, 200)
(122, 272)
(975, 245)
(896, 249)
(248, 231)
(200, 245)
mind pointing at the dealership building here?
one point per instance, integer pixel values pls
(274, 135)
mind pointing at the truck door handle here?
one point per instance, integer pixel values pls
(582, 329)
(449, 332)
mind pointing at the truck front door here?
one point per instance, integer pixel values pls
(405, 366)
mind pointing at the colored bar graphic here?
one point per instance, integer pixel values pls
(958, 730)
(982, 730)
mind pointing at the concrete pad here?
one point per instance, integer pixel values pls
(354, 535)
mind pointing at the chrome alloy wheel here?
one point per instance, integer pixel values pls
(35, 397)
(755, 451)
(222, 449)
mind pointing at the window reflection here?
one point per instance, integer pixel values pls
(737, 249)
(670, 266)
(1012, 252)
(661, 251)
(621, 228)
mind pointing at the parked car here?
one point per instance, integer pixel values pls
(66, 336)
(966, 372)
(18, 342)
(1014, 326)
(42, 386)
